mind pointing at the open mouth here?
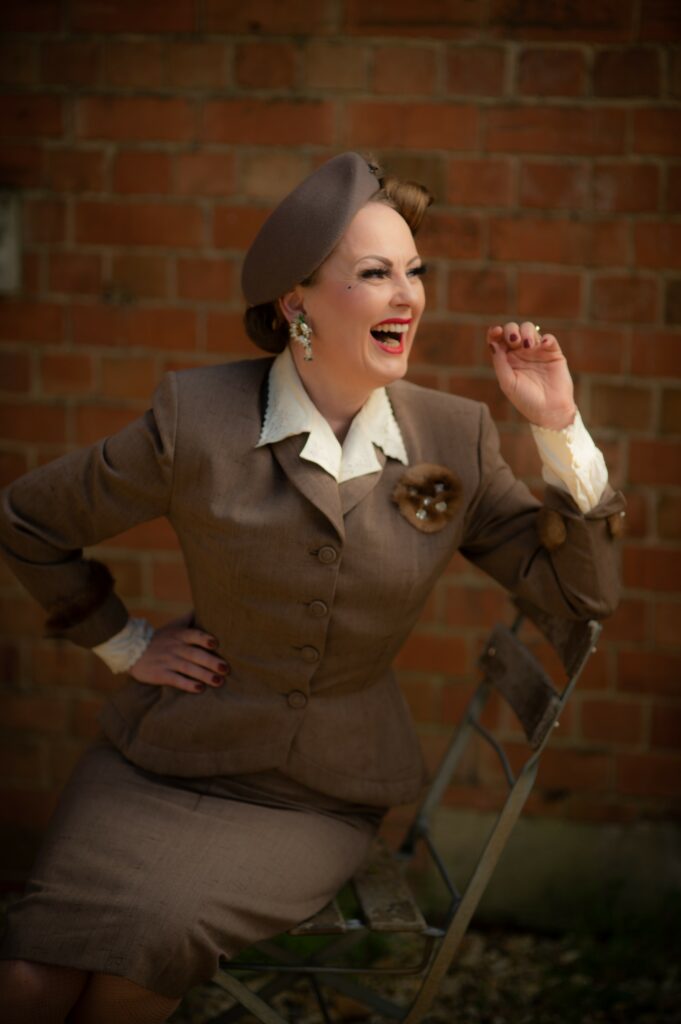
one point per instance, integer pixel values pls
(390, 335)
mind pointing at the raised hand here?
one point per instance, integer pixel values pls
(182, 656)
(533, 374)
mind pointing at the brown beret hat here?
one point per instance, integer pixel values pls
(306, 226)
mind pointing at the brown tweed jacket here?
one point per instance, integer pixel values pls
(310, 587)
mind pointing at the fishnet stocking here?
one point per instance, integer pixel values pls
(111, 1000)
(39, 993)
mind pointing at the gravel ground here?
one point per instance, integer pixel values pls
(512, 977)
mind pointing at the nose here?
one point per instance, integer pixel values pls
(403, 291)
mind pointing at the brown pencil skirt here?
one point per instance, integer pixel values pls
(155, 878)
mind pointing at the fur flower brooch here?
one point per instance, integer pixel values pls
(427, 495)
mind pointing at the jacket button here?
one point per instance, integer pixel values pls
(327, 554)
(317, 609)
(296, 699)
(309, 654)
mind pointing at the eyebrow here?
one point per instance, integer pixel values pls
(385, 260)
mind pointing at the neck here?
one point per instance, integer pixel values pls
(337, 400)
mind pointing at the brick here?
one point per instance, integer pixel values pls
(479, 182)
(446, 344)
(633, 71)
(268, 122)
(428, 653)
(127, 377)
(554, 185)
(265, 65)
(235, 227)
(136, 276)
(70, 62)
(296, 17)
(15, 372)
(625, 188)
(45, 220)
(480, 290)
(170, 583)
(624, 299)
(418, 125)
(649, 775)
(32, 422)
(142, 172)
(657, 132)
(673, 197)
(451, 236)
(551, 72)
(658, 245)
(21, 166)
(620, 406)
(586, 132)
(225, 334)
(670, 412)
(133, 64)
(27, 321)
(629, 622)
(437, 18)
(402, 70)
(674, 74)
(555, 241)
(672, 302)
(665, 727)
(93, 422)
(38, 16)
(608, 20)
(334, 65)
(612, 722)
(669, 517)
(548, 295)
(667, 616)
(33, 713)
(156, 535)
(12, 465)
(269, 176)
(655, 462)
(575, 770)
(164, 328)
(426, 168)
(75, 273)
(475, 71)
(196, 65)
(649, 568)
(66, 374)
(655, 353)
(474, 607)
(143, 119)
(423, 698)
(205, 174)
(75, 170)
(156, 224)
(481, 390)
(210, 280)
(58, 663)
(17, 62)
(31, 271)
(23, 115)
(131, 16)
(659, 21)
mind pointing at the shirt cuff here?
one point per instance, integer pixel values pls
(120, 652)
(571, 461)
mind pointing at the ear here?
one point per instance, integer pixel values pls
(291, 304)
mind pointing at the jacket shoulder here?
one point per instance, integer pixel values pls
(233, 379)
(429, 409)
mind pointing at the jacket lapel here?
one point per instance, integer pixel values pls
(311, 480)
(355, 490)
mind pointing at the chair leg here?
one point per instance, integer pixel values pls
(251, 1000)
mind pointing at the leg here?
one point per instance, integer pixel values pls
(41, 993)
(111, 1000)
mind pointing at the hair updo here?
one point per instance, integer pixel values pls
(264, 323)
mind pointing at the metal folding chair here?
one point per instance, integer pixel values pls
(386, 905)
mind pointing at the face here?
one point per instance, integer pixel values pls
(366, 301)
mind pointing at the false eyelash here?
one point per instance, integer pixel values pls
(381, 272)
(420, 270)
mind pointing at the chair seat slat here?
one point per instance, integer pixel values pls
(327, 921)
(384, 896)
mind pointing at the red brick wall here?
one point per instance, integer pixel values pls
(147, 141)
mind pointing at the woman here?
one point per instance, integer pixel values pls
(244, 768)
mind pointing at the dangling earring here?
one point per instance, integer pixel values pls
(300, 331)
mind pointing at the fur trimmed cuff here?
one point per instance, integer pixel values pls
(72, 610)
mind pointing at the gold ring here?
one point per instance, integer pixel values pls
(537, 327)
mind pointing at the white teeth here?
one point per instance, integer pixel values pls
(392, 328)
